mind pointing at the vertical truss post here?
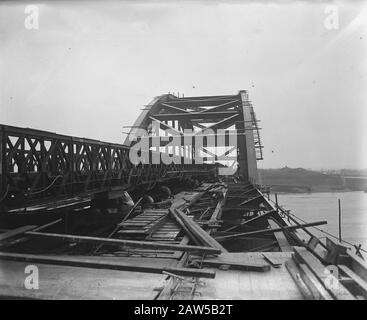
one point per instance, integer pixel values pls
(3, 168)
(248, 152)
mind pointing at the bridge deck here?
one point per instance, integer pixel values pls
(63, 282)
(130, 265)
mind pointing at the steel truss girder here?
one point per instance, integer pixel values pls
(194, 115)
(199, 114)
(37, 166)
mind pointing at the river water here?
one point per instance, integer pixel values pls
(324, 206)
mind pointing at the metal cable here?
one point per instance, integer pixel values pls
(321, 230)
(45, 189)
(329, 234)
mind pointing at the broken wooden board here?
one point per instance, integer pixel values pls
(171, 281)
(276, 263)
(234, 262)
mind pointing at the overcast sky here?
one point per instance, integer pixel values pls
(90, 67)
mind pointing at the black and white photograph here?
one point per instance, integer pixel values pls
(203, 151)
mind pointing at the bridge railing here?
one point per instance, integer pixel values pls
(38, 165)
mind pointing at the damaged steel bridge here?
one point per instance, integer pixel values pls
(99, 226)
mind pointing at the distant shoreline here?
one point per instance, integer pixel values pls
(314, 191)
(299, 180)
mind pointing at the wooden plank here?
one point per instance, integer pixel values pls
(123, 242)
(265, 231)
(357, 280)
(47, 225)
(178, 255)
(218, 209)
(127, 232)
(11, 242)
(250, 220)
(235, 265)
(188, 232)
(135, 224)
(103, 264)
(281, 238)
(197, 231)
(358, 265)
(275, 263)
(166, 292)
(316, 288)
(16, 232)
(250, 200)
(296, 276)
(318, 269)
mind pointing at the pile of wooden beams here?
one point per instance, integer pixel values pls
(325, 282)
(194, 231)
(91, 262)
